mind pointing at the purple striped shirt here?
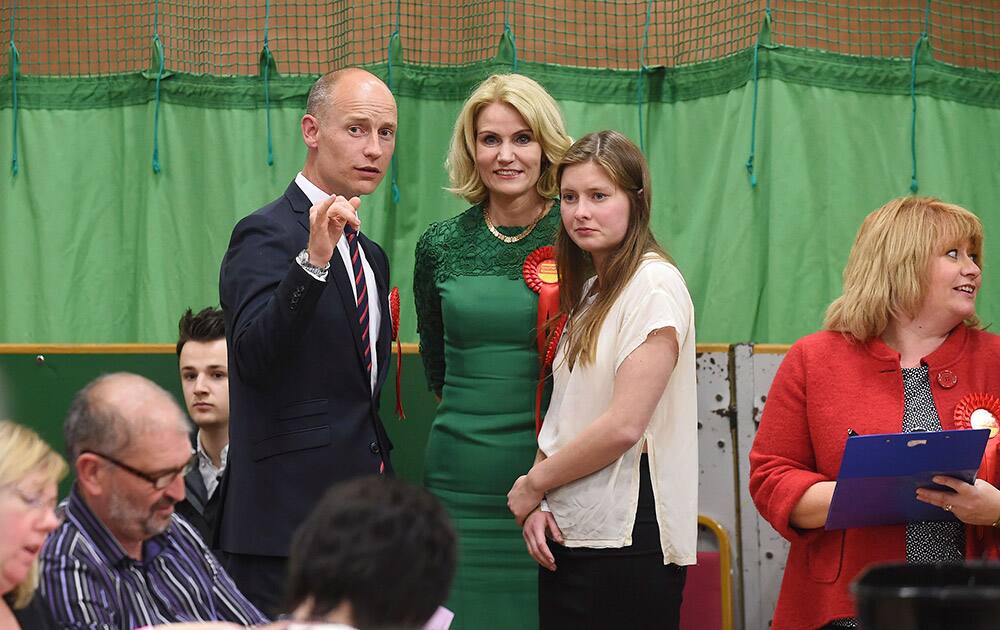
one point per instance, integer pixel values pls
(90, 582)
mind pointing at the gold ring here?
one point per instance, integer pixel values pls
(947, 508)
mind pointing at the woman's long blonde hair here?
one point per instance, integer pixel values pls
(886, 272)
(22, 453)
(626, 167)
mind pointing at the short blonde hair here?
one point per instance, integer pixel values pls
(887, 270)
(23, 452)
(537, 108)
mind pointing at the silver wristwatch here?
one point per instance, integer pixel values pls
(311, 269)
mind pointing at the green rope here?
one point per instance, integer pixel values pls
(393, 49)
(158, 57)
(266, 61)
(763, 39)
(509, 37)
(508, 34)
(15, 69)
(914, 184)
(641, 79)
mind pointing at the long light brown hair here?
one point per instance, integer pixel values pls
(626, 167)
(887, 269)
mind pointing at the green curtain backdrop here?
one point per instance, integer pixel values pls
(96, 247)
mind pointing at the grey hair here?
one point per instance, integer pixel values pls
(92, 423)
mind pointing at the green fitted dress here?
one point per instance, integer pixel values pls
(476, 318)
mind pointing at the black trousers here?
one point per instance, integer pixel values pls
(261, 579)
(614, 588)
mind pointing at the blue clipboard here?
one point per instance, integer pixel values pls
(880, 474)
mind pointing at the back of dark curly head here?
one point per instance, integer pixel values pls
(385, 546)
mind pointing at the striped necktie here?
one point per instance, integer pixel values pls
(361, 290)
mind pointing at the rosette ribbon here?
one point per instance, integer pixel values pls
(542, 277)
(978, 411)
(394, 318)
(547, 359)
(982, 411)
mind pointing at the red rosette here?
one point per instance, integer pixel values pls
(394, 319)
(540, 268)
(542, 276)
(982, 411)
(967, 418)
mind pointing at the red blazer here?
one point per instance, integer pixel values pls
(825, 385)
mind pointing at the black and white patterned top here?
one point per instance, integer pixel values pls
(926, 541)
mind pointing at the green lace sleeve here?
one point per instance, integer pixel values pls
(427, 300)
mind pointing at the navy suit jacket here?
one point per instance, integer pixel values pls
(302, 411)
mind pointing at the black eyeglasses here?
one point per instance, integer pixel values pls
(160, 481)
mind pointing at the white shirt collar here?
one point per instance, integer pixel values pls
(209, 473)
(312, 191)
(203, 454)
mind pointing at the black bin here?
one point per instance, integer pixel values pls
(929, 596)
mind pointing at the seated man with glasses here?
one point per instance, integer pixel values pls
(122, 558)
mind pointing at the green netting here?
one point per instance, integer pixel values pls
(307, 37)
(960, 33)
(95, 248)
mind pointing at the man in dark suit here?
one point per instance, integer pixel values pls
(306, 360)
(203, 363)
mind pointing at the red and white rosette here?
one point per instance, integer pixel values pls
(542, 276)
(394, 319)
(982, 411)
(978, 411)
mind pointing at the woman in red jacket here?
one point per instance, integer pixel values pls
(900, 349)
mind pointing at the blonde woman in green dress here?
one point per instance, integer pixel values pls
(476, 318)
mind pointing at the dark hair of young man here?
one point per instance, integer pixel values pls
(380, 544)
(207, 325)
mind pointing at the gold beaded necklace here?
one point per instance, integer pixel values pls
(517, 237)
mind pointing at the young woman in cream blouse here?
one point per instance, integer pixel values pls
(609, 509)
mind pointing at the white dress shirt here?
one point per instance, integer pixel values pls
(315, 196)
(209, 473)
